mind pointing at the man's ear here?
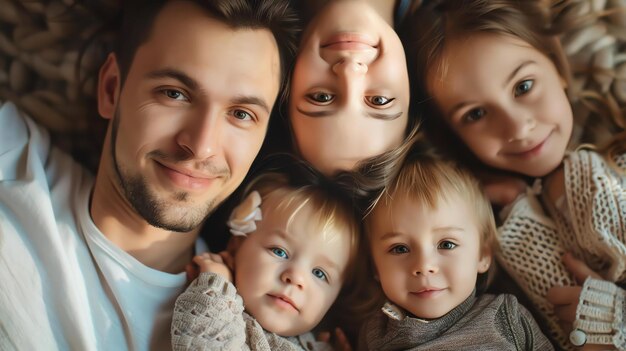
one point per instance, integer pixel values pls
(108, 87)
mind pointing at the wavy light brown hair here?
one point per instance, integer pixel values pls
(434, 24)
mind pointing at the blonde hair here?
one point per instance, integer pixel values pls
(332, 210)
(429, 181)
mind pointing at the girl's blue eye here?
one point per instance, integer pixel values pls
(321, 97)
(399, 249)
(447, 245)
(279, 252)
(319, 274)
(474, 115)
(524, 87)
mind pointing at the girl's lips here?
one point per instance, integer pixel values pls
(532, 152)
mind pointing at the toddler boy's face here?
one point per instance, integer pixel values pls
(290, 270)
(427, 259)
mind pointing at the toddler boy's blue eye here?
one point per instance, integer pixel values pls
(279, 252)
(447, 245)
(318, 273)
(474, 115)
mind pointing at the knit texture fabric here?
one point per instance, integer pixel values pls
(601, 313)
(589, 223)
(488, 322)
(210, 315)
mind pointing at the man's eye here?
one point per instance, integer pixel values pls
(321, 97)
(379, 100)
(399, 249)
(279, 252)
(319, 274)
(474, 115)
(447, 245)
(174, 94)
(524, 87)
(242, 115)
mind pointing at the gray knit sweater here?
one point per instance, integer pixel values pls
(489, 322)
(210, 315)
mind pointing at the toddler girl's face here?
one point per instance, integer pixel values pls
(427, 259)
(289, 271)
(506, 101)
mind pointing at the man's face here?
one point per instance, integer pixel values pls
(191, 115)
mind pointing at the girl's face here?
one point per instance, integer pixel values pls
(290, 271)
(350, 88)
(506, 101)
(427, 259)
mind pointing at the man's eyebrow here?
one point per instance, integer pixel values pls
(251, 100)
(175, 74)
(326, 113)
(516, 70)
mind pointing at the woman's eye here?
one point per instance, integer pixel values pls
(319, 274)
(399, 249)
(242, 115)
(474, 115)
(524, 87)
(279, 252)
(379, 100)
(174, 94)
(447, 245)
(321, 98)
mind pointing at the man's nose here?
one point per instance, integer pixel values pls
(201, 136)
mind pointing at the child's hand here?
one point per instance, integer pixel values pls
(501, 189)
(340, 341)
(214, 263)
(565, 298)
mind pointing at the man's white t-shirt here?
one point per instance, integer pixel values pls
(63, 284)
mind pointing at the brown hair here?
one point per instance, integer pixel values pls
(274, 15)
(436, 23)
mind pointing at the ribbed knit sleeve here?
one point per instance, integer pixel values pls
(601, 313)
(209, 316)
(525, 333)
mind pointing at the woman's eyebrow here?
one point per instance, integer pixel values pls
(326, 113)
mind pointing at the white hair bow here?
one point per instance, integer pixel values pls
(242, 219)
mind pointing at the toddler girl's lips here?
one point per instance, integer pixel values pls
(283, 301)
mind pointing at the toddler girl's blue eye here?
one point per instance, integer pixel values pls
(524, 87)
(447, 245)
(399, 249)
(319, 274)
(279, 252)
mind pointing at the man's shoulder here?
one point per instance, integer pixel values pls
(13, 127)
